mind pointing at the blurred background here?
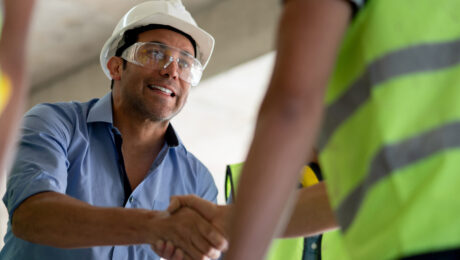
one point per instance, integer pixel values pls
(217, 122)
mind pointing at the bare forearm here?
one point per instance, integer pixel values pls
(312, 214)
(10, 120)
(288, 120)
(12, 63)
(18, 15)
(261, 188)
(57, 220)
(280, 145)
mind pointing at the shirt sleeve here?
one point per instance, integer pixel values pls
(41, 162)
(207, 187)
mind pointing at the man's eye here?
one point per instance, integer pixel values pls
(159, 55)
(183, 63)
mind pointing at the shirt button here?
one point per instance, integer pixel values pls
(130, 199)
(314, 246)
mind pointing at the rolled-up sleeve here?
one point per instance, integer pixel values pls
(41, 162)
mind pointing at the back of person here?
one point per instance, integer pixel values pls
(390, 143)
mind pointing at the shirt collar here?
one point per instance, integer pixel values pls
(171, 137)
(102, 112)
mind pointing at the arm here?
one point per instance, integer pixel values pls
(308, 38)
(13, 40)
(42, 213)
(55, 219)
(58, 220)
(17, 16)
(312, 213)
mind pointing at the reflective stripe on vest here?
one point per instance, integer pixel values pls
(390, 144)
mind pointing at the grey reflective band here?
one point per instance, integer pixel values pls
(414, 59)
(393, 157)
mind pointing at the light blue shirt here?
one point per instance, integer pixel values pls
(71, 148)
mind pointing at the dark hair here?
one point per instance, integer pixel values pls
(131, 36)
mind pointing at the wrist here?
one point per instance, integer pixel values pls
(152, 225)
(224, 220)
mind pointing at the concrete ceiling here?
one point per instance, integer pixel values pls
(68, 34)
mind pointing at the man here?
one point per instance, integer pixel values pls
(389, 147)
(15, 20)
(91, 179)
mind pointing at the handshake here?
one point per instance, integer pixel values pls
(193, 228)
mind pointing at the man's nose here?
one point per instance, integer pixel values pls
(170, 69)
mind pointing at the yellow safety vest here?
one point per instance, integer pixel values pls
(5, 84)
(5, 91)
(291, 248)
(390, 144)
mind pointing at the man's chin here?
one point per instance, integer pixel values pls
(163, 117)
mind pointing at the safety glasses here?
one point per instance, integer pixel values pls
(159, 56)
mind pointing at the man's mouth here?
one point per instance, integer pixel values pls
(162, 89)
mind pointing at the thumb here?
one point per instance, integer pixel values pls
(205, 208)
(174, 205)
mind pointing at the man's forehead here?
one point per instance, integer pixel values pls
(168, 37)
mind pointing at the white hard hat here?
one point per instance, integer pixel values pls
(162, 12)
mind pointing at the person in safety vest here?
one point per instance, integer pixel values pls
(382, 79)
(295, 248)
(15, 19)
(92, 179)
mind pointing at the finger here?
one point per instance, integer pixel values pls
(206, 208)
(168, 250)
(158, 248)
(178, 255)
(210, 241)
(189, 251)
(174, 204)
(214, 237)
(162, 214)
(205, 247)
(191, 241)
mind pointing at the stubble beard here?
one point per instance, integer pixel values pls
(141, 108)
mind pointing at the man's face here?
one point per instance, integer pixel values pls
(143, 89)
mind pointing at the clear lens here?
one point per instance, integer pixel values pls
(159, 56)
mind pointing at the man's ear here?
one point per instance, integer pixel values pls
(115, 66)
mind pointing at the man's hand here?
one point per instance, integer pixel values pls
(188, 236)
(219, 216)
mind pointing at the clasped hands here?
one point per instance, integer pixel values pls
(199, 230)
